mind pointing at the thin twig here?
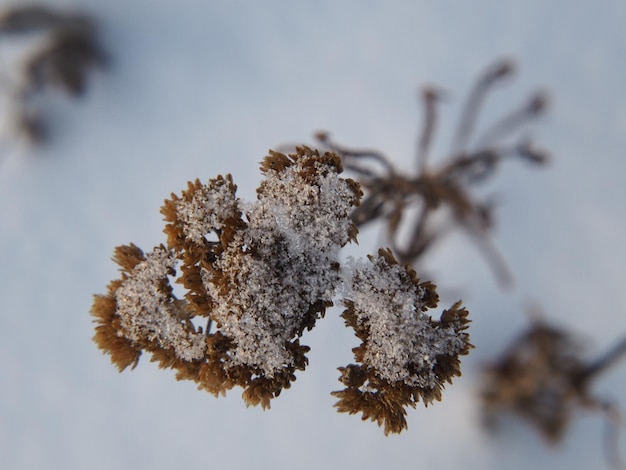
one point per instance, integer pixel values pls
(514, 120)
(604, 362)
(474, 101)
(429, 99)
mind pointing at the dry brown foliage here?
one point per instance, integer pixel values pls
(71, 51)
(544, 378)
(224, 263)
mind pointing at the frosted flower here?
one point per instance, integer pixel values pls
(261, 279)
(280, 272)
(260, 274)
(404, 354)
(203, 209)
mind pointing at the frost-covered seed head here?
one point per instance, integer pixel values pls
(147, 311)
(403, 344)
(281, 268)
(405, 355)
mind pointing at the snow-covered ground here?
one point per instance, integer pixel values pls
(197, 88)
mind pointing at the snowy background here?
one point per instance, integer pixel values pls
(198, 88)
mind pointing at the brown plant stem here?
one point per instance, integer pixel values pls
(604, 362)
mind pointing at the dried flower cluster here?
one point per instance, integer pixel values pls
(63, 61)
(544, 378)
(261, 274)
(433, 200)
(405, 355)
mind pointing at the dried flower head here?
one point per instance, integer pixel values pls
(262, 274)
(536, 377)
(405, 355)
(262, 279)
(543, 378)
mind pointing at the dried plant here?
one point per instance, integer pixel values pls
(391, 193)
(404, 356)
(544, 378)
(261, 274)
(70, 52)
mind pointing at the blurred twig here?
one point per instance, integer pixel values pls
(543, 378)
(63, 62)
(390, 193)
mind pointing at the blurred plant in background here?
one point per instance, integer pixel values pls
(63, 49)
(544, 378)
(419, 209)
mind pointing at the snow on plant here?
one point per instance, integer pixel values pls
(262, 273)
(404, 353)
